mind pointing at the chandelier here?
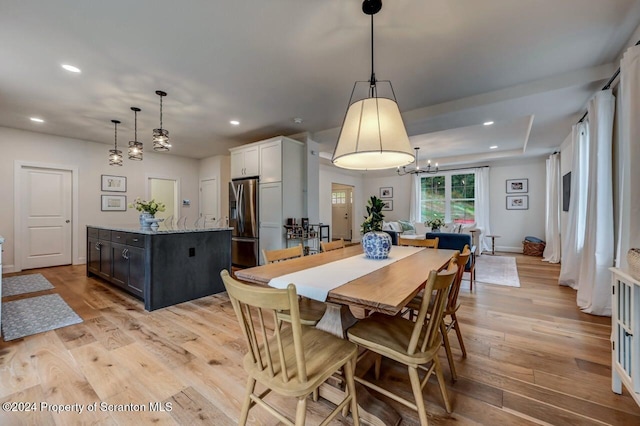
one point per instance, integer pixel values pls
(161, 136)
(115, 155)
(416, 168)
(373, 135)
(135, 147)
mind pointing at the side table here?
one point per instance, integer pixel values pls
(493, 243)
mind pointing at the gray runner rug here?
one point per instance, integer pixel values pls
(34, 315)
(20, 284)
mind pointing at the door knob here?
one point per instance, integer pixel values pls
(67, 221)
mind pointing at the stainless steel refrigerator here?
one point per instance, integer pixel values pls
(243, 218)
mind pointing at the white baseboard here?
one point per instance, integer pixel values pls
(7, 269)
(80, 261)
(506, 249)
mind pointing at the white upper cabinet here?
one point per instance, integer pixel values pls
(271, 162)
(245, 162)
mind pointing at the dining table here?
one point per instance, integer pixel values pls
(386, 289)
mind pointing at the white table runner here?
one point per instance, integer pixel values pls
(316, 283)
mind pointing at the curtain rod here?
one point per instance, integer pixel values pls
(606, 86)
(463, 168)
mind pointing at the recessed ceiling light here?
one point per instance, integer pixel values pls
(235, 122)
(488, 123)
(493, 147)
(71, 68)
(37, 120)
(298, 120)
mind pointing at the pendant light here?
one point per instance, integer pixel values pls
(135, 147)
(161, 136)
(373, 135)
(115, 155)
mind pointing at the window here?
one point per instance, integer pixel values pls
(448, 196)
(339, 197)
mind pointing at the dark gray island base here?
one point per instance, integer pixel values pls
(162, 267)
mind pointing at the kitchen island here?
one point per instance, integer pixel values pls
(161, 267)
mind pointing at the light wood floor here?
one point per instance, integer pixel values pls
(534, 358)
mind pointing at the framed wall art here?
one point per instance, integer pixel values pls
(388, 205)
(517, 186)
(114, 203)
(517, 202)
(114, 183)
(386, 192)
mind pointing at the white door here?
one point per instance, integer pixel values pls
(209, 202)
(341, 201)
(46, 217)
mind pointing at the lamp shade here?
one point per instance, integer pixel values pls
(373, 137)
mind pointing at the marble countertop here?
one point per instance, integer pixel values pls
(161, 229)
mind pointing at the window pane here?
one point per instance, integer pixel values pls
(463, 211)
(463, 186)
(432, 197)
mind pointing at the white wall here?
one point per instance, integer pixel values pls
(514, 225)
(401, 194)
(329, 175)
(90, 158)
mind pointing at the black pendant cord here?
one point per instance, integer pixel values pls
(135, 125)
(115, 132)
(606, 87)
(161, 111)
(372, 81)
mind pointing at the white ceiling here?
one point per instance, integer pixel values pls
(528, 65)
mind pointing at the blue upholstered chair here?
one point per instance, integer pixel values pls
(454, 241)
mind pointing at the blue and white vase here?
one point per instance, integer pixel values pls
(376, 244)
(143, 218)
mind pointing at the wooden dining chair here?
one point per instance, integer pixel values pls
(271, 256)
(419, 242)
(310, 310)
(333, 245)
(293, 362)
(414, 344)
(450, 310)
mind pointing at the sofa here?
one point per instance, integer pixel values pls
(400, 227)
(453, 241)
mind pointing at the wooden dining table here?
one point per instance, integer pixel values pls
(385, 290)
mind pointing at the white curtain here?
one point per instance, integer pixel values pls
(628, 155)
(414, 199)
(483, 211)
(552, 218)
(573, 240)
(597, 255)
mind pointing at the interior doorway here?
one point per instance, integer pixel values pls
(46, 202)
(165, 190)
(341, 211)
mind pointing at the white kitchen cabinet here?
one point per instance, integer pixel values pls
(625, 323)
(245, 162)
(271, 162)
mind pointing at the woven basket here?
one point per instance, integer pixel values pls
(532, 249)
(633, 259)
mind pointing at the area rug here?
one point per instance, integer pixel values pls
(499, 270)
(34, 315)
(21, 284)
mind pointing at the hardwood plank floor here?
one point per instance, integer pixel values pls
(533, 358)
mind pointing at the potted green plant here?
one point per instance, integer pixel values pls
(375, 243)
(148, 209)
(435, 223)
